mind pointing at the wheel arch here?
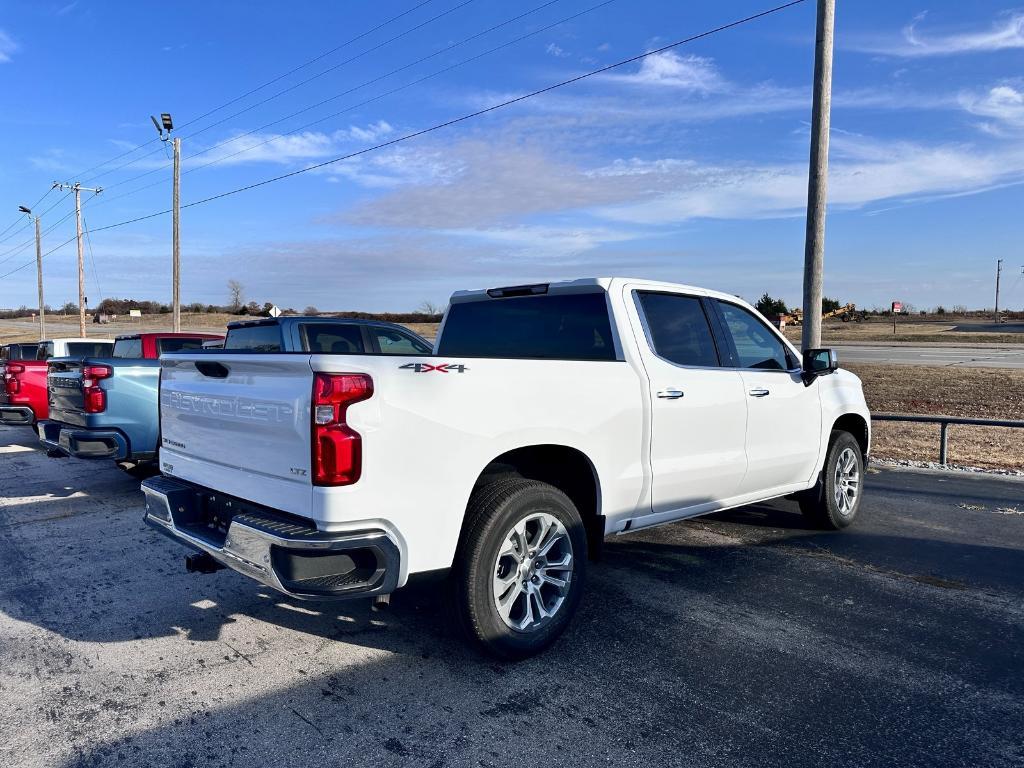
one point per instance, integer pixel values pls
(856, 425)
(564, 467)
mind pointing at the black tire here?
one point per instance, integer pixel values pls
(819, 504)
(493, 513)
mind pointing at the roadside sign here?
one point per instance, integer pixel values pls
(134, 313)
(275, 311)
(897, 307)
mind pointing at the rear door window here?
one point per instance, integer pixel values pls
(255, 338)
(177, 345)
(394, 342)
(571, 326)
(679, 329)
(333, 338)
(129, 348)
(45, 351)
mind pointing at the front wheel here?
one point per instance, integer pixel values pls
(833, 502)
(519, 573)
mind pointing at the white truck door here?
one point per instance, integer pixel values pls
(783, 415)
(698, 407)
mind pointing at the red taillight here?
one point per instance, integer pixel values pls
(337, 448)
(95, 398)
(11, 382)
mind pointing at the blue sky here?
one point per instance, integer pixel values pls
(688, 166)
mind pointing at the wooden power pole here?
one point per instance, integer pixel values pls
(817, 181)
(176, 237)
(77, 189)
(999, 272)
(39, 280)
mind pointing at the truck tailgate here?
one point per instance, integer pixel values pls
(64, 390)
(238, 423)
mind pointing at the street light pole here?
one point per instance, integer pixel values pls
(817, 180)
(164, 126)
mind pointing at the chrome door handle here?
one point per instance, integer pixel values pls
(670, 394)
(759, 392)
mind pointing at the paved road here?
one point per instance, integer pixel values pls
(742, 639)
(935, 355)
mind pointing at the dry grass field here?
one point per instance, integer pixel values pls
(988, 393)
(910, 332)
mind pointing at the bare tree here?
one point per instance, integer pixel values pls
(428, 308)
(237, 292)
(311, 310)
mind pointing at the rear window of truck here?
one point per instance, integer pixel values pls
(75, 349)
(131, 348)
(255, 338)
(178, 344)
(571, 326)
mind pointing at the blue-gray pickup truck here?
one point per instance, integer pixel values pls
(107, 408)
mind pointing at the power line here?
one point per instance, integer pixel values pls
(264, 85)
(8, 255)
(447, 123)
(385, 94)
(31, 207)
(92, 258)
(469, 116)
(291, 88)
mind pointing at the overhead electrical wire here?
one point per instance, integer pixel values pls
(21, 218)
(448, 123)
(385, 94)
(293, 87)
(266, 84)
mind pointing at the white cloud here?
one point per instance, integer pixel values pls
(556, 51)
(7, 47)
(284, 149)
(1003, 104)
(497, 187)
(669, 69)
(1005, 33)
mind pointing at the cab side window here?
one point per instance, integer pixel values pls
(392, 342)
(756, 345)
(679, 329)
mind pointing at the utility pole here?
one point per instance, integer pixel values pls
(176, 237)
(39, 271)
(817, 180)
(999, 270)
(77, 189)
(164, 126)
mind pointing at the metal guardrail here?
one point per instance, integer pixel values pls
(944, 422)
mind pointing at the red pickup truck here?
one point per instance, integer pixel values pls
(23, 396)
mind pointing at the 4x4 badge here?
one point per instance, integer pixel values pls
(440, 368)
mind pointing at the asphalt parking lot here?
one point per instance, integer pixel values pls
(742, 639)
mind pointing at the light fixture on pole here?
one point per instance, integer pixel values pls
(164, 126)
(39, 270)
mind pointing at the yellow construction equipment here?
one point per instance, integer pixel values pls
(845, 313)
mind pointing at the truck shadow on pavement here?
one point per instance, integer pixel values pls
(695, 645)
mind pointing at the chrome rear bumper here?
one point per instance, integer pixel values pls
(287, 554)
(16, 415)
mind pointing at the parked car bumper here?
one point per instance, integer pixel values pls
(16, 415)
(83, 443)
(280, 551)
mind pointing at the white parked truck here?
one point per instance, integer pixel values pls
(548, 417)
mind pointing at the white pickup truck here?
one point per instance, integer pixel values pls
(548, 417)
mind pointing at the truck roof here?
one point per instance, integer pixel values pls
(581, 285)
(168, 335)
(312, 319)
(69, 339)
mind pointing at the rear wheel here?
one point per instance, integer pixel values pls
(834, 500)
(519, 573)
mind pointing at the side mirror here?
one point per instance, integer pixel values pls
(818, 362)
